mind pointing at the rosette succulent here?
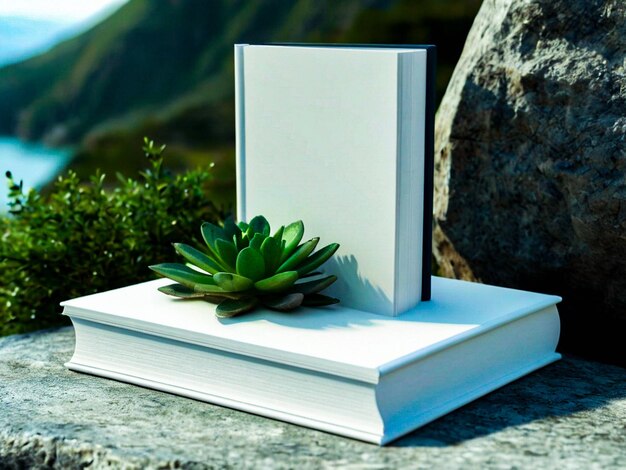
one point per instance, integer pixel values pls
(244, 266)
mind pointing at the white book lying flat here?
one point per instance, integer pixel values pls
(336, 369)
(341, 136)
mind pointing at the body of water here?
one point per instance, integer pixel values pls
(35, 164)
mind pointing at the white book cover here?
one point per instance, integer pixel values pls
(335, 136)
(340, 370)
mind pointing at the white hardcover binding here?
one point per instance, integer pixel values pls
(339, 131)
(353, 373)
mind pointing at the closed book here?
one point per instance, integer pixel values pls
(341, 136)
(340, 370)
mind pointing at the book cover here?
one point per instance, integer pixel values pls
(340, 370)
(341, 137)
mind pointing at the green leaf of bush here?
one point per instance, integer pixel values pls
(85, 235)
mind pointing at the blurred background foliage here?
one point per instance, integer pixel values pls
(162, 68)
(80, 239)
(165, 69)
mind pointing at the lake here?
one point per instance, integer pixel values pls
(33, 163)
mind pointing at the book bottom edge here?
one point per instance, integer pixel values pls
(229, 402)
(391, 432)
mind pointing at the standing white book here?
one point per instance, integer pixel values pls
(345, 371)
(342, 137)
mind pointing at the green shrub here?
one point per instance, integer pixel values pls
(83, 238)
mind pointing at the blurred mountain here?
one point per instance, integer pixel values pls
(23, 37)
(164, 69)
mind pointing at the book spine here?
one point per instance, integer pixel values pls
(240, 139)
(429, 169)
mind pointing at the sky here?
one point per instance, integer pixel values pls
(58, 10)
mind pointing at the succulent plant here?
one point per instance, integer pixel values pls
(245, 267)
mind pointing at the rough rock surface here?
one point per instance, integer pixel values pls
(531, 160)
(571, 414)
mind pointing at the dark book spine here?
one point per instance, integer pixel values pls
(429, 168)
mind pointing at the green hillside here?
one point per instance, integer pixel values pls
(164, 69)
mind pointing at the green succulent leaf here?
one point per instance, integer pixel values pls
(184, 292)
(231, 282)
(313, 287)
(284, 303)
(212, 289)
(227, 253)
(292, 236)
(260, 225)
(257, 241)
(211, 233)
(318, 300)
(299, 255)
(240, 240)
(232, 232)
(249, 234)
(183, 274)
(279, 233)
(232, 307)
(250, 263)
(314, 273)
(317, 259)
(245, 265)
(271, 251)
(197, 258)
(277, 283)
(216, 299)
(218, 294)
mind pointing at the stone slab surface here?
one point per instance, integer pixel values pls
(572, 414)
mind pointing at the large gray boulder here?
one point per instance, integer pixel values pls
(531, 161)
